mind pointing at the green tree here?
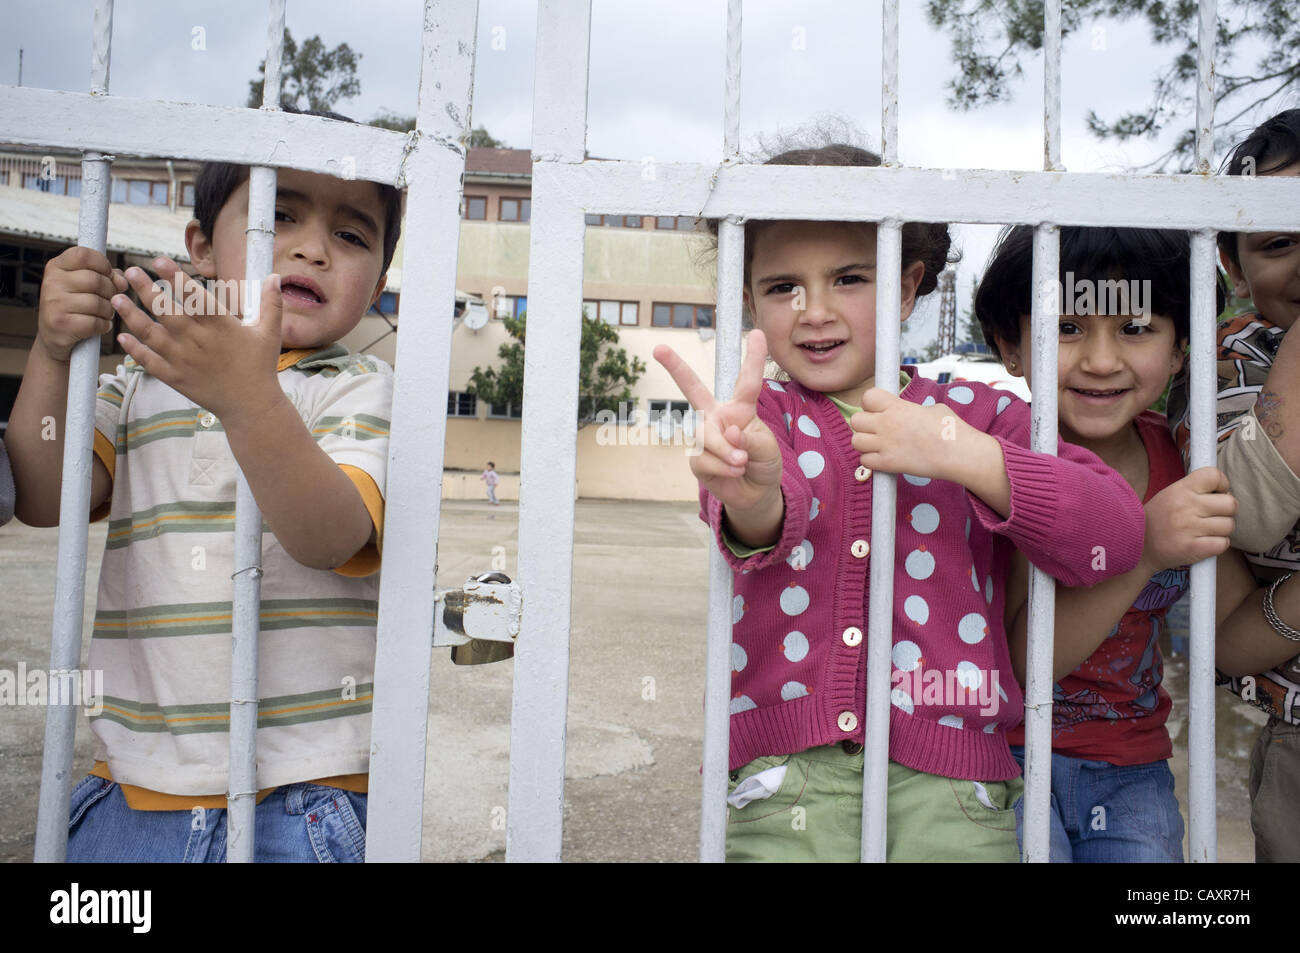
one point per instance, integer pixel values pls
(479, 138)
(311, 77)
(974, 333)
(390, 120)
(926, 352)
(991, 37)
(605, 374)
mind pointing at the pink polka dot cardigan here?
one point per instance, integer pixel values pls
(800, 609)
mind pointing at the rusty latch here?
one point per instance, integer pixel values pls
(480, 621)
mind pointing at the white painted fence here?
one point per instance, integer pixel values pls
(566, 187)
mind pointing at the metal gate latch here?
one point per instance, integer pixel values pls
(480, 621)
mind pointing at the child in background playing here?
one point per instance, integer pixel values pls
(307, 424)
(1258, 414)
(490, 477)
(785, 483)
(1112, 790)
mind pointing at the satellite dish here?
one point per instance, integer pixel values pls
(476, 315)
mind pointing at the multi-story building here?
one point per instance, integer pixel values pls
(650, 276)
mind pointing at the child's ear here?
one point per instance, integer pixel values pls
(1011, 357)
(199, 247)
(1235, 274)
(1179, 358)
(379, 289)
(911, 280)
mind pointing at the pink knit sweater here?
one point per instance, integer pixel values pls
(800, 610)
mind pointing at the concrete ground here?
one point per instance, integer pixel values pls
(639, 604)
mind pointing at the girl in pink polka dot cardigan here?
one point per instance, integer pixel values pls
(784, 473)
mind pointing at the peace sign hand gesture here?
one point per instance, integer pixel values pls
(738, 459)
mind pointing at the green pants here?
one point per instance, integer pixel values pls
(816, 815)
(1275, 793)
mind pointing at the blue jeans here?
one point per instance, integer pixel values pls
(1106, 813)
(303, 823)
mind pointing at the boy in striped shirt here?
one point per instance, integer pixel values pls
(198, 398)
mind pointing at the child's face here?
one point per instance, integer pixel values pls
(329, 249)
(1269, 272)
(1110, 369)
(812, 292)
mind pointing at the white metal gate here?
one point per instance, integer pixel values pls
(566, 187)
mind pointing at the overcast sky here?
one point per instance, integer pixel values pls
(655, 82)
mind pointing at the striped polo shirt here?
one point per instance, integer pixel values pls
(163, 620)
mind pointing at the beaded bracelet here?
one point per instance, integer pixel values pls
(1280, 627)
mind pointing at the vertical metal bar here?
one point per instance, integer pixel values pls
(726, 349)
(1042, 587)
(74, 497)
(416, 446)
(1205, 86)
(535, 819)
(271, 77)
(245, 627)
(1036, 826)
(731, 84)
(889, 83)
(1202, 832)
(884, 486)
(1052, 85)
(717, 699)
(880, 602)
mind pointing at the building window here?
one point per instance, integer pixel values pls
(139, 192)
(679, 223)
(509, 306)
(58, 185)
(611, 312)
(21, 271)
(670, 415)
(510, 411)
(516, 210)
(682, 315)
(615, 221)
(461, 404)
(187, 194)
(476, 208)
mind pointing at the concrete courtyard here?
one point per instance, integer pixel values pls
(639, 604)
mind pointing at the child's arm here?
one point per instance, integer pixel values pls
(739, 463)
(1246, 644)
(1278, 405)
(75, 293)
(312, 507)
(1250, 412)
(1186, 522)
(1096, 534)
(898, 436)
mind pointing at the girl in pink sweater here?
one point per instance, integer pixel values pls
(785, 482)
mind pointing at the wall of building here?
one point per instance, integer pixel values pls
(642, 265)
